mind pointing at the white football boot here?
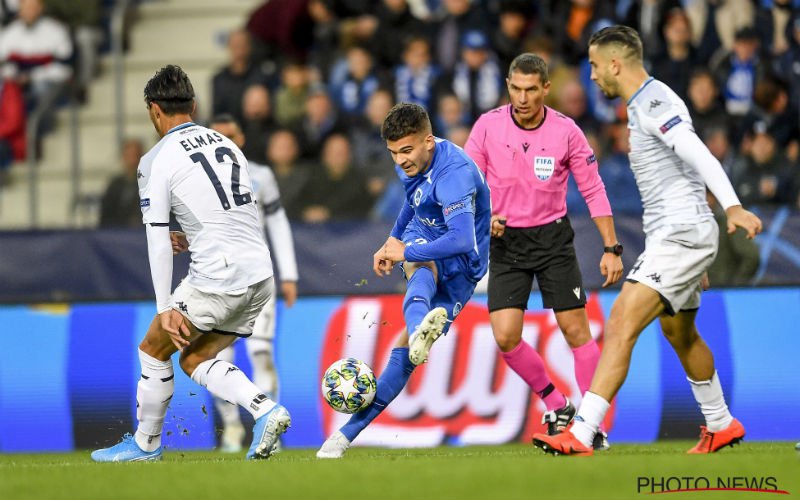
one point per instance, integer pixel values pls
(421, 341)
(334, 446)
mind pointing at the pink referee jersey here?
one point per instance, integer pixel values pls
(527, 168)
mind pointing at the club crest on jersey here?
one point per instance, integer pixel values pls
(543, 167)
(417, 196)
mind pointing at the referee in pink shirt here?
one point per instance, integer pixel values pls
(527, 150)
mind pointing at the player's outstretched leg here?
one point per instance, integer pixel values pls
(430, 329)
(228, 382)
(390, 383)
(153, 394)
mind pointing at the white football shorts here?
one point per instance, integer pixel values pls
(229, 313)
(674, 260)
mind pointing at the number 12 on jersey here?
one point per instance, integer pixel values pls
(239, 199)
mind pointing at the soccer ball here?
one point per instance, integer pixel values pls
(348, 385)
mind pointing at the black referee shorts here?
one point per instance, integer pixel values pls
(543, 252)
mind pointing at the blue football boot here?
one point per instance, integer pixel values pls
(267, 431)
(126, 451)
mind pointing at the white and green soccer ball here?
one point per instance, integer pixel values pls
(348, 385)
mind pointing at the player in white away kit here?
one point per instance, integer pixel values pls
(201, 177)
(260, 345)
(672, 168)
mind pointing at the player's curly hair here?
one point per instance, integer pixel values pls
(624, 36)
(171, 89)
(405, 119)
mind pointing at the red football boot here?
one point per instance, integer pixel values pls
(562, 444)
(715, 441)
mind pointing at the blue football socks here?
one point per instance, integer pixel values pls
(390, 383)
(419, 292)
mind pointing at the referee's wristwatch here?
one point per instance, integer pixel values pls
(615, 249)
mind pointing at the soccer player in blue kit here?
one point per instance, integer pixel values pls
(441, 240)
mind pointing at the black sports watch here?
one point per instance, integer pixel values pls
(615, 249)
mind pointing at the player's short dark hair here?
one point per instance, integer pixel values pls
(171, 89)
(405, 119)
(529, 64)
(620, 35)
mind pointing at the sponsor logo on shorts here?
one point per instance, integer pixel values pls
(577, 292)
(669, 124)
(457, 309)
(655, 277)
(543, 167)
(182, 307)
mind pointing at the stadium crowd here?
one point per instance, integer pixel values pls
(311, 91)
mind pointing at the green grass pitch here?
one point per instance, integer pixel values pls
(501, 472)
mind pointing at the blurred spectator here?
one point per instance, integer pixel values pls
(648, 17)
(459, 17)
(353, 80)
(395, 23)
(37, 51)
(369, 149)
(283, 153)
(449, 114)
(702, 21)
(717, 141)
(772, 23)
(573, 22)
(229, 84)
(737, 71)
(678, 54)
(292, 94)
(788, 65)
(12, 127)
(780, 120)
(338, 192)
(416, 79)
(257, 122)
(119, 206)
(83, 18)
(572, 102)
(704, 103)
(737, 258)
(283, 29)
(325, 36)
(559, 72)
(615, 170)
(476, 79)
(730, 17)
(320, 120)
(767, 176)
(458, 135)
(8, 11)
(515, 21)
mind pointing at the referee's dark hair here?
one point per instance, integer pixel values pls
(529, 64)
(405, 119)
(625, 37)
(171, 89)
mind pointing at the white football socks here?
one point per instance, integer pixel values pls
(228, 412)
(708, 394)
(590, 415)
(226, 381)
(153, 394)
